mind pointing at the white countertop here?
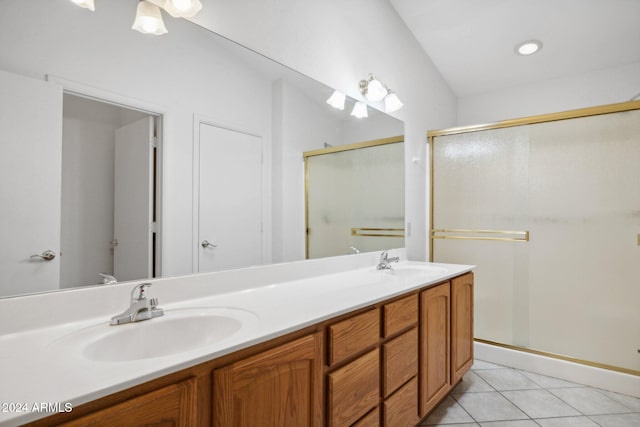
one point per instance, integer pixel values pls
(35, 368)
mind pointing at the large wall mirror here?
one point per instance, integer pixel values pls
(141, 156)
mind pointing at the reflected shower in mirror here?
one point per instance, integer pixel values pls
(353, 200)
(71, 80)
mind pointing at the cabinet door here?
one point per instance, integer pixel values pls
(435, 380)
(280, 387)
(461, 326)
(171, 406)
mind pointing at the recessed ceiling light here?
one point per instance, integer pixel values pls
(529, 47)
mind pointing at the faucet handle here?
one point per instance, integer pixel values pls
(140, 290)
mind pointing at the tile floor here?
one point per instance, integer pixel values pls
(492, 395)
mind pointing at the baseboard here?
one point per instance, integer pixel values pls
(575, 372)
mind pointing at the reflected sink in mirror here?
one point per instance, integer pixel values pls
(178, 331)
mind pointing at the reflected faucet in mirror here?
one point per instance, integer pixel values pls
(108, 279)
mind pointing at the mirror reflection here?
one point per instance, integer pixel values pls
(129, 156)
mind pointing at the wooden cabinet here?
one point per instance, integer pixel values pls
(389, 364)
(282, 386)
(461, 326)
(435, 381)
(171, 406)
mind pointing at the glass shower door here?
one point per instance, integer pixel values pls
(568, 285)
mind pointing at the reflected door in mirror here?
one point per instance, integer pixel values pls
(30, 168)
(230, 199)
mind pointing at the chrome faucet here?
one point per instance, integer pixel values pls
(141, 308)
(385, 261)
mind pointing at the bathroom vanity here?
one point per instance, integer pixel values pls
(358, 347)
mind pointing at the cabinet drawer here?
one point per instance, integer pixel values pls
(401, 409)
(400, 314)
(372, 419)
(400, 357)
(353, 335)
(354, 389)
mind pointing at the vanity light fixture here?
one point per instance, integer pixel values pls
(148, 16)
(374, 90)
(337, 100)
(392, 102)
(528, 47)
(359, 110)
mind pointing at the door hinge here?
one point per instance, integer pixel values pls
(154, 142)
(153, 227)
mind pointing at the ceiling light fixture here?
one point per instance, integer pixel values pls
(359, 110)
(374, 90)
(337, 100)
(528, 47)
(148, 13)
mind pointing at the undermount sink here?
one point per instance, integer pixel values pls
(178, 331)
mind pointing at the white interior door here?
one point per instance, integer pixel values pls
(30, 165)
(230, 199)
(133, 200)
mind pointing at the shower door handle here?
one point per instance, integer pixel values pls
(206, 244)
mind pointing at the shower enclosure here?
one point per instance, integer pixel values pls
(548, 208)
(355, 198)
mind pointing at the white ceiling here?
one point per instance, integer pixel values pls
(472, 42)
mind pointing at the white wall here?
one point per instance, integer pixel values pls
(339, 43)
(599, 87)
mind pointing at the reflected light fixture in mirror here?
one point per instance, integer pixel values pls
(182, 8)
(87, 4)
(148, 15)
(359, 110)
(149, 19)
(336, 100)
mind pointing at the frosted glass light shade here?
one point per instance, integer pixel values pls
(376, 90)
(337, 100)
(392, 103)
(359, 110)
(149, 19)
(87, 4)
(182, 8)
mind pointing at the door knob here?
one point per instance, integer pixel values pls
(206, 244)
(47, 255)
